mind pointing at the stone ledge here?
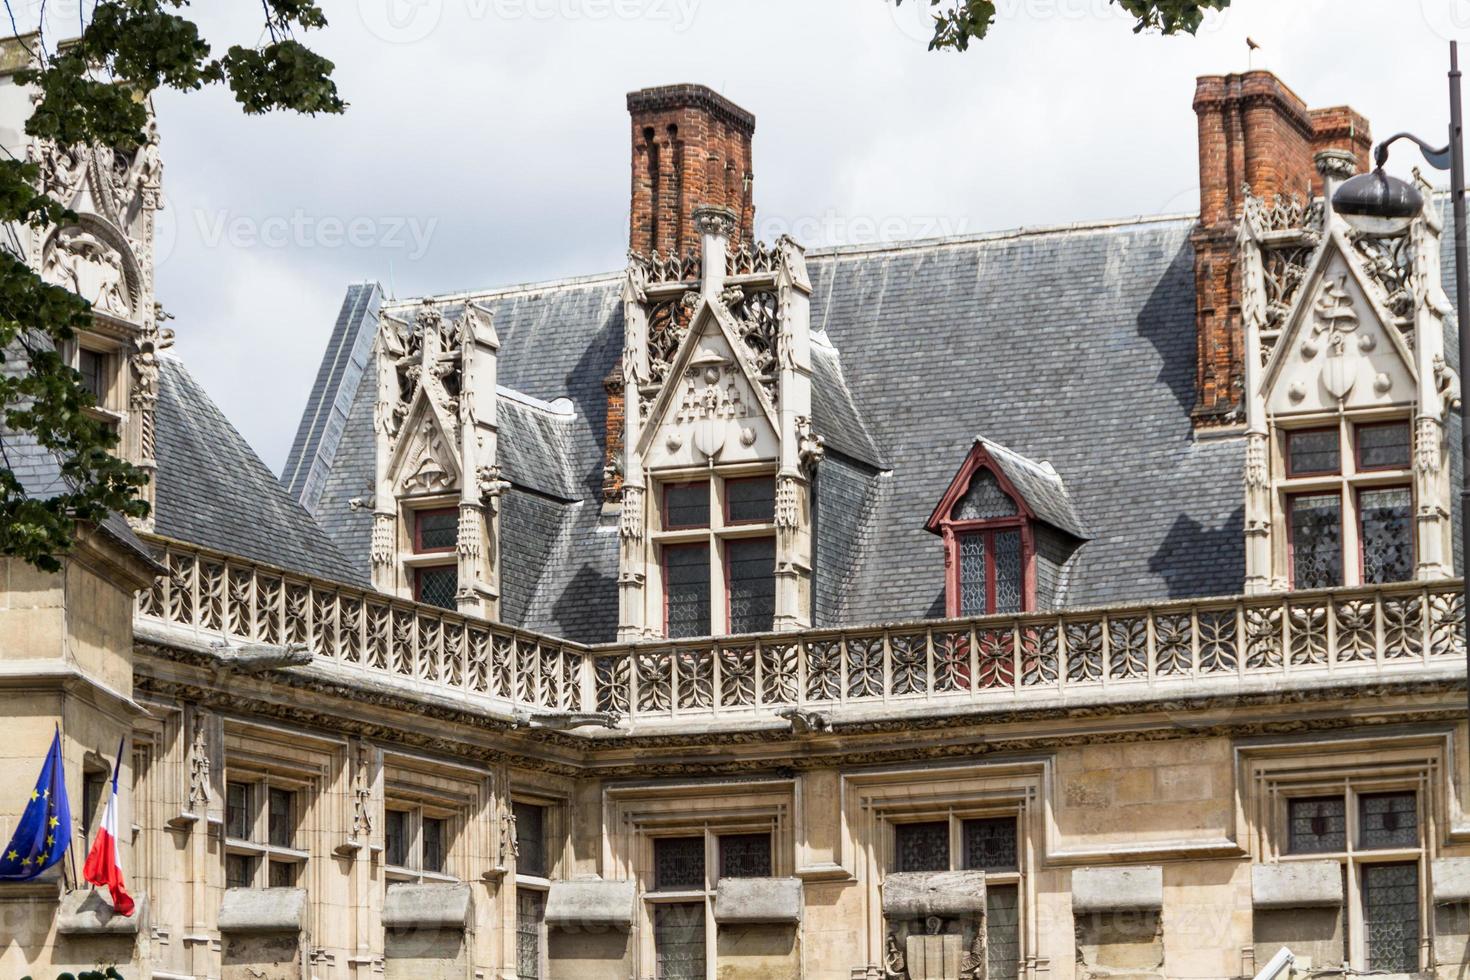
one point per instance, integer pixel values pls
(262, 910)
(948, 894)
(86, 913)
(1296, 885)
(1451, 878)
(591, 903)
(427, 906)
(1117, 889)
(758, 900)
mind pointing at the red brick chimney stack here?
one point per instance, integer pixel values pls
(1252, 130)
(691, 147)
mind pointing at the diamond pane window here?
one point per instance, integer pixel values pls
(435, 530)
(678, 864)
(1316, 540)
(1317, 825)
(530, 910)
(1386, 532)
(436, 586)
(280, 823)
(1008, 572)
(1002, 932)
(745, 856)
(984, 500)
(530, 839)
(678, 940)
(752, 570)
(238, 810)
(1391, 917)
(1313, 452)
(686, 505)
(1385, 446)
(921, 846)
(687, 589)
(990, 844)
(973, 600)
(395, 837)
(750, 501)
(1388, 820)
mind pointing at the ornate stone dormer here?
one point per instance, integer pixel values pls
(718, 451)
(437, 485)
(1348, 393)
(106, 255)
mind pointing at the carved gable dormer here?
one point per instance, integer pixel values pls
(1346, 477)
(435, 515)
(717, 431)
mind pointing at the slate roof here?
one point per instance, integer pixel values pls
(1071, 345)
(214, 491)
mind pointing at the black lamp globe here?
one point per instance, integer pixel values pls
(1377, 204)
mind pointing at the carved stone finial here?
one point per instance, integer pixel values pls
(715, 221)
(1335, 165)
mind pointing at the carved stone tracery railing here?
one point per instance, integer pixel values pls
(1165, 649)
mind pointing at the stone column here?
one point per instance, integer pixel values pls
(801, 448)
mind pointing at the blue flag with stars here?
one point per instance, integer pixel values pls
(44, 830)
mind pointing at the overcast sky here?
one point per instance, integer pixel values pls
(487, 142)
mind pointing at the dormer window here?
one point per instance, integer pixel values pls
(998, 509)
(1348, 504)
(718, 550)
(434, 564)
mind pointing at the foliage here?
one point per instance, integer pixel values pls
(109, 974)
(94, 91)
(962, 20)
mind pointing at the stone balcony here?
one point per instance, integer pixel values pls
(1165, 652)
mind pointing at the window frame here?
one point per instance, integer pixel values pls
(952, 530)
(1357, 431)
(418, 536)
(1291, 434)
(1351, 788)
(1347, 483)
(257, 847)
(419, 810)
(714, 537)
(418, 572)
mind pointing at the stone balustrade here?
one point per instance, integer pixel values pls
(1162, 650)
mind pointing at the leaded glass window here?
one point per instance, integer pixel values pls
(1317, 825)
(745, 856)
(678, 863)
(752, 570)
(280, 824)
(973, 598)
(1313, 452)
(1391, 917)
(686, 505)
(687, 589)
(921, 846)
(239, 871)
(1384, 446)
(434, 834)
(984, 499)
(395, 837)
(238, 810)
(1008, 572)
(990, 844)
(678, 939)
(436, 530)
(1002, 932)
(751, 500)
(281, 874)
(1386, 522)
(530, 839)
(436, 586)
(530, 911)
(1388, 820)
(1316, 540)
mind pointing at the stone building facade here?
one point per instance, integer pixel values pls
(1068, 603)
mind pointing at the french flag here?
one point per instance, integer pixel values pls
(103, 866)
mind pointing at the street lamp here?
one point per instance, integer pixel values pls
(1376, 204)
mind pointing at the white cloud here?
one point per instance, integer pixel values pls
(502, 125)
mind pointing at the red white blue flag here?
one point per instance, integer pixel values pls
(103, 865)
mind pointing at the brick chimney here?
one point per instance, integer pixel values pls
(1252, 130)
(691, 147)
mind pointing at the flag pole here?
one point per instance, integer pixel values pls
(71, 852)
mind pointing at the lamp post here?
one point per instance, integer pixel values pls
(1377, 204)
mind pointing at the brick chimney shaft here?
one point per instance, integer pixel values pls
(691, 147)
(1253, 130)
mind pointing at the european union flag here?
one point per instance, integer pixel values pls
(44, 830)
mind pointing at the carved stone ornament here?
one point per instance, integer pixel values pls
(712, 399)
(198, 766)
(1447, 384)
(810, 447)
(630, 520)
(80, 261)
(715, 221)
(384, 528)
(1333, 325)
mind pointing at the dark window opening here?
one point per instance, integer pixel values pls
(435, 530)
(1386, 534)
(530, 911)
(678, 940)
(1002, 931)
(1388, 820)
(686, 505)
(1317, 825)
(282, 874)
(239, 871)
(745, 856)
(238, 810)
(94, 791)
(990, 844)
(281, 820)
(751, 500)
(678, 864)
(395, 838)
(436, 586)
(1384, 446)
(434, 835)
(751, 564)
(687, 589)
(921, 846)
(1316, 540)
(93, 366)
(1391, 917)
(992, 572)
(1313, 452)
(530, 839)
